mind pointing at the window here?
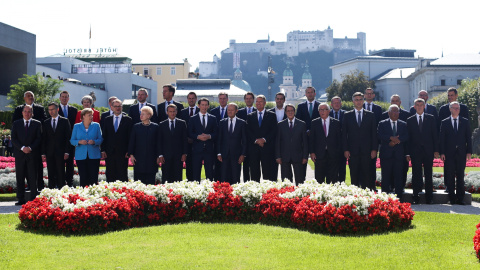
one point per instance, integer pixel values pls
(159, 70)
(172, 71)
(442, 82)
(459, 82)
(145, 71)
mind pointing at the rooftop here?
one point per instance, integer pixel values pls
(397, 73)
(458, 60)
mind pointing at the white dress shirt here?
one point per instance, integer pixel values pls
(280, 113)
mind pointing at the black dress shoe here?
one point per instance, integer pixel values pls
(460, 202)
(20, 203)
(451, 202)
(430, 202)
(416, 200)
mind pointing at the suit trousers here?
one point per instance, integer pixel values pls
(88, 171)
(172, 169)
(327, 168)
(230, 169)
(417, 180)
(286, 171)
(189, 163)
(146, 178)
(26, 168)
(360, 170)
(69, 167)
(56, 171)
(116, 168)
(260, 155)
(392, 175)
(454, 167)
(342, 168)
(246, 169)
(208, 163)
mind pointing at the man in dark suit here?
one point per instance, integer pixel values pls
(185, 115)
(70, 113)
(172, 145)
(307, 111)
(106, 114)
(393, 135)
(116, 130)
(445, 109)
(360, 144)
(429, 109)
(232, 145)
(377, 111)
(202, 129)
(422, 147)
(38, 114)
(291, 148)
(279, 112)
(455, 150)
(56, 146)
(325, 146)
(220, 113)
(249, 98)
(168, 93)
(26, 139)
(337, 113)
(134, 111)
(261, 133)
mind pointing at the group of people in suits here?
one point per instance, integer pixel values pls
(227, 139)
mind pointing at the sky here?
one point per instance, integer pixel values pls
(169, 31)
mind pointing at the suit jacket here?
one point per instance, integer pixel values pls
(32, 139)
(185, 113)
(340, 117)
(103, 116)
(427, 140)
(94, 133)
(274, 111)
(242, 113)
(319, 143)
(134, 113)
(302, 112)
(143, 146)
(72, 114)
(38, 113)
(359, 140)
(291, 145)
(384, 133)
(377, 111)
(116, 143)
(430, 109)
(233, 144)
(96, 116)
(444, 112)
(172, 144)
(267, 130)
(217, 113)
(56, 142)
(403, 115)
(460, 141)
(195, 128)
(161, 113)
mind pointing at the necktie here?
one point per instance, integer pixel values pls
(310, 109)
(54, 125)
(221, 115)
(172, 127)
(231, 126)
(260, 119)
(394, 129)
(116, 123)
(359, 118)
(336, 115)
(203, 122)
(26, 126)
(455, 128)
(65, 111)
(420, 123)
(325, 128)
(368, 104)
(249, 110)
(191, 111)
(291, 125)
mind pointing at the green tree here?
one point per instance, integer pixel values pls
(44, 89)
(354, 81)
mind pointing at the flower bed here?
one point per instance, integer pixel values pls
(476, 241)
(334, 209)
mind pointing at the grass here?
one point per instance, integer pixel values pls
(436, 241)
(8, 197)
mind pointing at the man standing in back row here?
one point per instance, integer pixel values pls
(168, 93)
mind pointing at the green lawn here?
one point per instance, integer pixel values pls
(436, 241)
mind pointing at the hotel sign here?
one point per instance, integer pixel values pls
(108, 50)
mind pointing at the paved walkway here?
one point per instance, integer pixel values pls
(474, 209)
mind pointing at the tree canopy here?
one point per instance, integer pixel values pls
(354, 81)
(44, 89)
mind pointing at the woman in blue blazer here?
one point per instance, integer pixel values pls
(87, 138)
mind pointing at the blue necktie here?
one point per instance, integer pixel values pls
(116, 123)
(221, 116)
(260, 119)
(310, 109)
(65, 111)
